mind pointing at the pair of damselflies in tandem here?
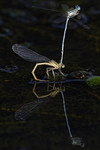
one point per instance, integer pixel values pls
(32, 56)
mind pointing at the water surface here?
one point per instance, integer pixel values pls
(43, 126)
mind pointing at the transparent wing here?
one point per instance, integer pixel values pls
(43, 8)
(28, 54)
(25, 111)
(65, 7)
(60, 19)
(81, 24)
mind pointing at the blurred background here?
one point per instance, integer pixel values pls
(35, 28)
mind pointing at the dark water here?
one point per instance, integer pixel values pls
(32, 116)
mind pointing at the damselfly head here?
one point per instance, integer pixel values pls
(62, 65)
(77, 7)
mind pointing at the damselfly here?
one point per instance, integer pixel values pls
(66, 12)
(32, 56)
(66, 15)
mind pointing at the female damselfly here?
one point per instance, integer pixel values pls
(32, 56)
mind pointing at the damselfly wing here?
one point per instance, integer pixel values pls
(26, 110)
(28, 54)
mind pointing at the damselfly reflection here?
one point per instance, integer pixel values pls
(32, 56)
(24, 112)
(74, 140)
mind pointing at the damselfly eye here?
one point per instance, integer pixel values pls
(77, 7)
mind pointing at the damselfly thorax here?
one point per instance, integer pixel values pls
(72, 13)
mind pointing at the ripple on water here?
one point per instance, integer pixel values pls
(9, 68)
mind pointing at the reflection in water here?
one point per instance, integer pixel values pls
(26, 110)
(53, 91)
(75, 140)
(9, 69)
